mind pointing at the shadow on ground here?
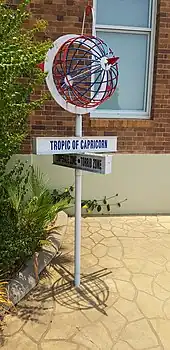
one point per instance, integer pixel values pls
(92, 293)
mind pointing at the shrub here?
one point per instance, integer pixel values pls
(5, 303)
(20, 52)
(26, 210)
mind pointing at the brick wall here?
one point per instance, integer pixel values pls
(134, 136)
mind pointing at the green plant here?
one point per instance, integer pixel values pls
(5, 303)
(20, 52)
(89, 205)
(27, 210)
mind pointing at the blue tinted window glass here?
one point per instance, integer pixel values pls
(123, 12)
(132, 50)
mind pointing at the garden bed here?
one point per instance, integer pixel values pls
(26, 278)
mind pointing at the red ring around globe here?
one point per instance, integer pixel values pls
(85, 71)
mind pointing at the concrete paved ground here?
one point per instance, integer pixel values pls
(124, 299)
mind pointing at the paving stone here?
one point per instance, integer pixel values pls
(84, 223)
(109, 262)
(137, 253)
(64, 307)
(135, 248)
(93, 314)
(139, 335)
(94, 229)
(94, 337)
(85, 251)
(88, 271)
(115, 252)
(111, 242)
(128, 309)
(135, 234)
(118, 224)
(94, 223)
(168, 266)
(125, 289)
(152, 219)
(103, 219)
(167, 308)
(70, 238)
(96, 237)
(143, 282)
(157, 254)
(91, 219)
(160, 253)
(85, 232)
(121, 273)
(30, 306)
(163, 279)
(147, 227)
(36, 328)
(88, 243)
(149, 305)
(151, 268)
(157, 348)
(162, 231)
(48, 304)
(160, 292)
(68, 247)
(107, 227)
(134, 218)
(70, 231)
(166, 225)
(110, 284)
(152, 234)
(58, 345)
(106, 233)
(151, 222)
(12, 325)
(162, 328)
(89, 260)
(121, 345)
(165, 239)
(113, 297)
(99, 250)
(135, 224)
(19, 341)
(134, 265)
(119, 232)
(64, 326)
(118, 219)
(162, 219)
(114, 322)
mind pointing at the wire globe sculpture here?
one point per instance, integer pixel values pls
(85, 71)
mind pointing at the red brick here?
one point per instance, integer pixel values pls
(134, 136)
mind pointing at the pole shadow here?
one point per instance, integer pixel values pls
(93, 291)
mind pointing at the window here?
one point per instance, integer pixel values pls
(128, 27)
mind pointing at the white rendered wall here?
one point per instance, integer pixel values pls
(143, 179)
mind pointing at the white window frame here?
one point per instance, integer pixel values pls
(150, 63)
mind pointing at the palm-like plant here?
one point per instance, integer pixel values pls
(5, 303)
(29, 210)
(31, 200)
(39, 208)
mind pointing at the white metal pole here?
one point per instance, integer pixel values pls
(78, 185)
